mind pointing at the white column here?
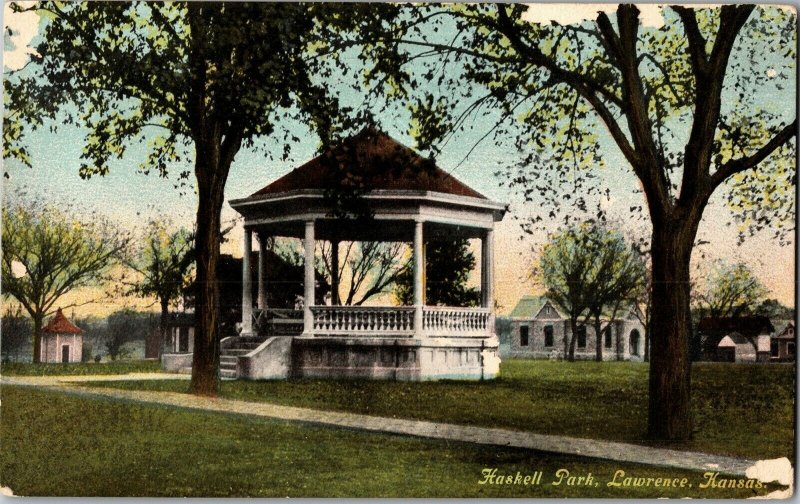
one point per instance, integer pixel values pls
(247, 284)
(419, 284)
(487, 275)
(487, 269)
(308, 299)
(262, 272)
(335, 272)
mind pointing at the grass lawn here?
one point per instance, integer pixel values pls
(743, 410)
(66, 445)
(81, 368)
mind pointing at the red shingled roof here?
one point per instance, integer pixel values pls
(60, 325)
(370, 160)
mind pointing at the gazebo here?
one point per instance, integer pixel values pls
(62, 341)
(408, 199)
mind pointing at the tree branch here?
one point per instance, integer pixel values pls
(745, 163)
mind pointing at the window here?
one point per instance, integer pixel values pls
(607, 335)
(548, 335)
(634, 342)
(790, 349)
(581, 336)
(523, 336)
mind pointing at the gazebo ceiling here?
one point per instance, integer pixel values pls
(397, 186)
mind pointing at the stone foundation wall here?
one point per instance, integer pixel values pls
(176, 363)
(407, 359)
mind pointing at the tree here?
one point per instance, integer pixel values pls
(373, 267)
(731, 291)
(774, 309)
(684, 104)
(125, 326)
(16, 332)
(163, 263)
(590, 272)
(644, 302)
(618, 274)
(564, 267)
(210, 77)
(448, 265)
(48, 253)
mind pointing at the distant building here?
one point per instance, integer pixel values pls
(180, 333)
(540, 330)
(62, 341)
(784, 343)
(735, 339)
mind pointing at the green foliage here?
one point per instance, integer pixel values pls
(164, 260)
(550, 88)
(774, 309)
(135, 71)
(731, 290)
(125, 326)
(16, 330)
(590, 270)
(448, 265)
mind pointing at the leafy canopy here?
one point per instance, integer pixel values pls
(589, 270)
(48, 252)
(692, 105)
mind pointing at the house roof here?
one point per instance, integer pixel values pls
(60, 325)
(748, 326)
(528, 306)
(370, 160)
(782, 328)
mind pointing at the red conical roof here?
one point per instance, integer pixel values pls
(60, 325)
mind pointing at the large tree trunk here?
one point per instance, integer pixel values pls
(205, 361)
(217, 138)
(669, 415)
(38, 323)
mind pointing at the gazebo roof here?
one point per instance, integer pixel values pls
(380, 180)
(60, 325)
(370, 160)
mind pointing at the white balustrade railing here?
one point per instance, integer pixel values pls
(399, 321)
(449, 321)
(363, 320)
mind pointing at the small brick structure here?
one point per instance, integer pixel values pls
(62, 341)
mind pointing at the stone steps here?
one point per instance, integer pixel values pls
(229, 357)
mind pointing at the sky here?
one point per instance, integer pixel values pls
(129, 197)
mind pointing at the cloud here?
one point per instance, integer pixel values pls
(23, 27)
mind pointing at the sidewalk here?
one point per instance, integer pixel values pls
(607, 450)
